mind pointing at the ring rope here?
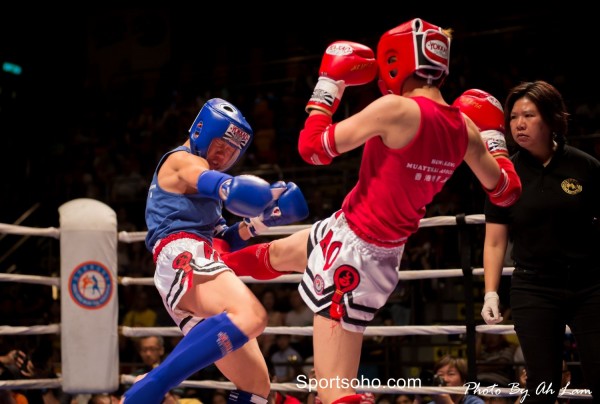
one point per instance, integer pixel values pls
(30, 384)
(370, 331)
(402, 275)
(30, 330)
(29, 231)
(40, 280)
(148, 281)
(129, 237)
(426, 390)
(294, 388)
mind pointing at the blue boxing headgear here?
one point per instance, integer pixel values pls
(219, 119)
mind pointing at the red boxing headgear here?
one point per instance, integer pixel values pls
(483, 108)
(413, 47)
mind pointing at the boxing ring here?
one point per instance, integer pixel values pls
(89, 301)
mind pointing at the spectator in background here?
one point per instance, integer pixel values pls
(299, 316)
(494, 359)
(151, 350)
(286, 361)
(139, 315)
(104, 398)
(16, 364)
(268, 298)
(451, 371)
(404, 399)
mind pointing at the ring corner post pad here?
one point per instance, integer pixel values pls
(88, 298)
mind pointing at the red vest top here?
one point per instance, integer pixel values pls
(394, 186)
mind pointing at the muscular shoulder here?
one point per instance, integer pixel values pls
(179, 172)
(181, 159)
(399, 117)
(392, 117)
(396, 107)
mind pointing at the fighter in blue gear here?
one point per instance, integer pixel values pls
(218, 315)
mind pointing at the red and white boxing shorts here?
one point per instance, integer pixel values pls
(178, 259)
(347, 278)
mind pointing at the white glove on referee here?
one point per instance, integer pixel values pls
(491, 311)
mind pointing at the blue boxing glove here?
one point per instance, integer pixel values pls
(244, 195)
(288, 206)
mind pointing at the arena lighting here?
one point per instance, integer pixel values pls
(12, 68)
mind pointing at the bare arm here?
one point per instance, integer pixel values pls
(180, 172)
(494, 251)
(396, 119)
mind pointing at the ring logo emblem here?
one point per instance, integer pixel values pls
(91, 285)
(571, 186)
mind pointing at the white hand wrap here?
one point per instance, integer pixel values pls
(491, 308)
(326, 96)
(495, 142)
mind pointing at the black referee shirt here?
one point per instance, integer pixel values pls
(554, 225)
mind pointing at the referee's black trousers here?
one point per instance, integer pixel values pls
(541, 307)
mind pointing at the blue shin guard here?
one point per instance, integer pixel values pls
(244, 397)
(205, 344)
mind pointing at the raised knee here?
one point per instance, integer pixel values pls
(251, 320)
(261, 318)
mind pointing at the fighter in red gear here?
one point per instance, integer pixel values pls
(413, 142)
(487, 113)
(344, 64)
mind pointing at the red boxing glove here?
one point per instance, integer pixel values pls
(483, 109)
(486, 112)
(344, 64)
(508, 189)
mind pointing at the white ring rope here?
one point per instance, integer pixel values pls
(29, 231)
(30, 384)
(128, 281)
(129, 237)
(402, 275)
(40, 280)
(423, 390)
(30, 330)
(372, 331)
(295, 388)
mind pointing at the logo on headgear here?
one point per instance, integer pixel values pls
(436, 47)
(236, 136)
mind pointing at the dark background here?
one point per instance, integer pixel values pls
(82, 68)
